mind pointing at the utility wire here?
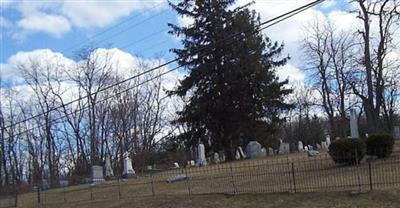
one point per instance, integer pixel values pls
(260, 27)
(116, 26)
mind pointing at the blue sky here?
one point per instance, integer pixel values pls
(128, 32)
(136, 27)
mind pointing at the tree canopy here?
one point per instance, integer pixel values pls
(233, 93)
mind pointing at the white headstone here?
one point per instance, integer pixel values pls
(319, 147)
(128, 169)
(201, 157)
(324, 146)
(306, 148)
(237, 155)
(263, 152)
(176, 165)
(192, 163)
(353, 124)
(328, 140)
(300, 146)
(216, 158)
(253, 149)
(396, 132)
(97, 174)
(241, 152)
(109, 170)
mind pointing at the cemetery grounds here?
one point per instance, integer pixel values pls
(293, 180)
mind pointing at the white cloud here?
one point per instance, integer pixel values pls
(52, 24)
(100, 13)
(4, 23)
(343, 20)
(58, 17)
(328, 4)
(292, 73)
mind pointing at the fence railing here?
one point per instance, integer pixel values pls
(284, 173)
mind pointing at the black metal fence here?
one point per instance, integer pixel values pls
(275, 174)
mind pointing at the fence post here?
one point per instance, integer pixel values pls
(65, 197)
(232, 179)
(370, 175)
(293, 178)
(16, 197)
(119, 189)
(188, 182)
(38, 195)
(152, 184)
(91, 193)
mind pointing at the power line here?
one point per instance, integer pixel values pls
(119, 24)
(261, 26)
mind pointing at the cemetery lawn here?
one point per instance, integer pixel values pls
(376, 199)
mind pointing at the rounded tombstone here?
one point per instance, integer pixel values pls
(253, 150)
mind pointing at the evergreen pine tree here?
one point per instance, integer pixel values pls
(232, 90)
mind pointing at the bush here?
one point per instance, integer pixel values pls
(347, 151)
(380, 145)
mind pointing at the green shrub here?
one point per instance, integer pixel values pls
(380, 145)
(347, 151)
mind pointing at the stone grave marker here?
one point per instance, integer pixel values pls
(324, 146)
(109, 170)
(216, 158)
(242, 155)
(253, 150)
(396, 132)
(237, 155)
(97, 174)
(270, 151)
(300, 146)
(201, 155)
(284, 148)
(222, 156)
(263, 152)
(128, 169)
(354, 124)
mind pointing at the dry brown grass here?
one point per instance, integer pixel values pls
(283, 173)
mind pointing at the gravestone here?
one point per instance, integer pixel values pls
(306, 148)
(319, 147)
(109, 170)
(253, 149)
(310, 147)
(216, 158)
(328, 141)
(97, 174)
(263, 152)
(222, 157)
(284, 148)
(192, 163)
(201, 155)
(353, 124)
(313, 153)
(396, 132)
(300, 146)
(270, 151)
(128, 169)
(237, 155)
(63, 183)
(176, 165)
(324, 146)
(45, 184)
(242, 155)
